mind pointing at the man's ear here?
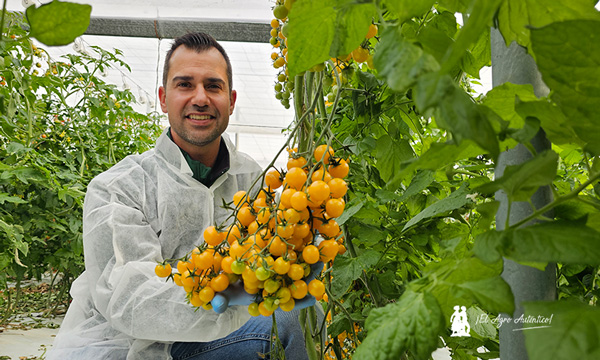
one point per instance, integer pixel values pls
(232, 99)
(162, 97)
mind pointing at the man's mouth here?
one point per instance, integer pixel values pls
(199, 117)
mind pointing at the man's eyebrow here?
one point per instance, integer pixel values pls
(216, 80)
(182, 78)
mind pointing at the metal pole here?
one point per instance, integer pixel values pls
(513, 64)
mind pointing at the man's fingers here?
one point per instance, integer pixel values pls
(219, 303)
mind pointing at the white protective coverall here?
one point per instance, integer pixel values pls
(145, 209)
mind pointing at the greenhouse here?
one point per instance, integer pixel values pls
(300, 179)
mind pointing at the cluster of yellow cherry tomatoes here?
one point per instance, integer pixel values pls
(277, 234)
(284, 85)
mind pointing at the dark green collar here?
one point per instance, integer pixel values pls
(203, 173)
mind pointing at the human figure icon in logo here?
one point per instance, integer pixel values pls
(460, 325)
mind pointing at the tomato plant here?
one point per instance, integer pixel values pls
(389, 84)
(61, 124)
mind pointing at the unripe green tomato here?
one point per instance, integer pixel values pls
(285, 29)
(278, 87)
(280, 12)
(285, 94)
(262, 274)
(253, 309)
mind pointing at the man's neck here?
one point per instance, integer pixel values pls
(207, 154)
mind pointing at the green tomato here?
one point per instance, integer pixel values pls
(238, 267)
(271, 285)
(262, 274)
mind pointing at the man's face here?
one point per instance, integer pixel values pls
(197, 98)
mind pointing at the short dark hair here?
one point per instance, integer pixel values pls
(198, 42)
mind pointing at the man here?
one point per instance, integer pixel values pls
(154, 206)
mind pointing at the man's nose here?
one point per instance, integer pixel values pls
(200, 97)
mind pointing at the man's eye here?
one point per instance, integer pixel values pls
(183, 84)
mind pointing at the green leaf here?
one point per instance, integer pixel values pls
(517, 17)
(399, 61)
(439, 155)
(456, 111)
(353, 208)
(480, 324)
(519, 182)
(391, 154)
(406, 9)
(468, 280)
(557, 241)
(340, 26)
(568, 56)
(58, 23)
(573, 331)
(493, 294)
(480, 19)
(4, 197)
(551, 118)
(351, 26)
(456, 200)
(314, 17)
(348, 269)
(419, 183)
(501, 99)
(412, 325)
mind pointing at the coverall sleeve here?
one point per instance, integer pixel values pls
(121, 250)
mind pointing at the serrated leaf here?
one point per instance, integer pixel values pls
(563, 241)
(391, 154)
(568, 56)
(517, 17)
(399, 61)
(480, 19)
(352, 209)
(572, 332)
(455, 111)
(438, 156)
(456, 200)
(310, 16)
(552, 120)
(351, 26)
(58, 23)
(480, 324)
(348, 269)
(412, 325)
(419, 183)
(406, 9)
(469, 280)
(501, 99)
(4, 197)
(519, 182)
(341, 26)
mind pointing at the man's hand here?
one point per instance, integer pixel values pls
(236, 295)
(233, 295)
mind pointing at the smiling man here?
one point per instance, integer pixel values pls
(197, 96)
(154, 206)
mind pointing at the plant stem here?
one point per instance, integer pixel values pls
(2, 19)
(573, 194)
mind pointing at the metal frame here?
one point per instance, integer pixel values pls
(168, 28)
